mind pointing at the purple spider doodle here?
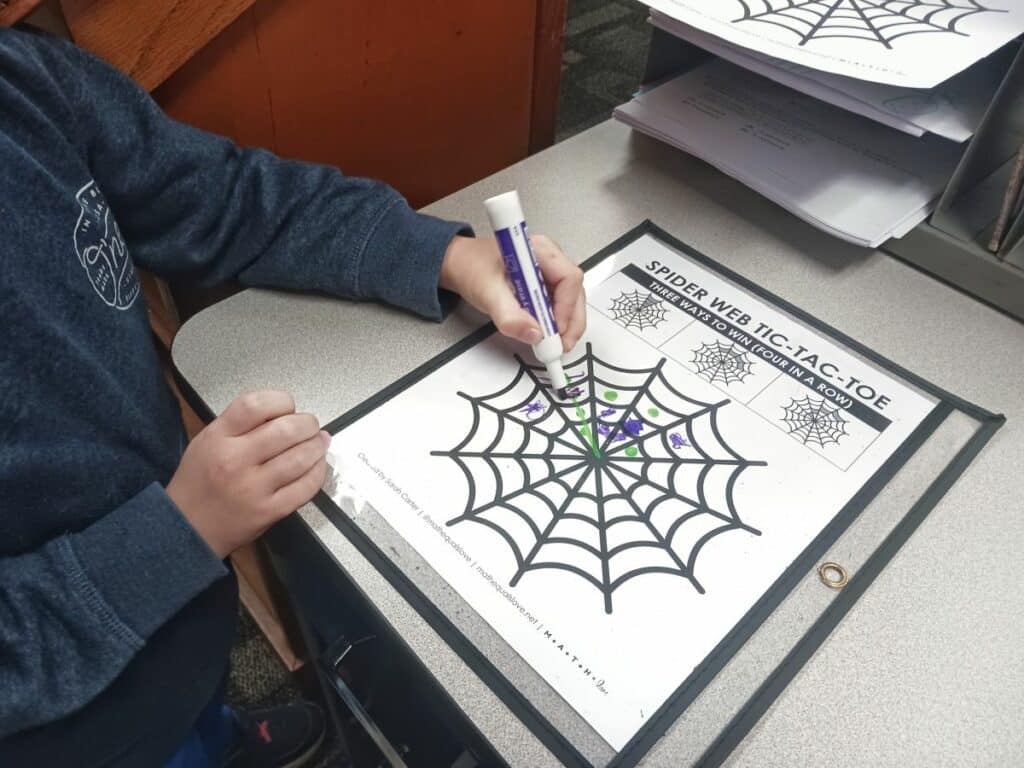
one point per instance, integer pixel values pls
(678, 441)
(533, 410)
(630, 428)
(634, 426)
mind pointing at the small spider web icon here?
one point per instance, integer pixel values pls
(810, 420)
(876, 21)
(722, 363)
(638, 309)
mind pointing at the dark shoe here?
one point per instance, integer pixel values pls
(280, 737)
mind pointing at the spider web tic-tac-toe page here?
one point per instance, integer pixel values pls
(911, 43)
(614, 537)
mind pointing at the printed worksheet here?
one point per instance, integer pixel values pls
(953, 109)
(850, 176)
(913, 43)
(616, 536)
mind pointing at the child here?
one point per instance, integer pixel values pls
(116, 608)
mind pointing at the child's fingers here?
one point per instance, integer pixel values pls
(577, 324)
(292, 496)
(566, 298)
(248, 411)
(278, 435)
(565, 284)
(554, 265)
(511, 319)
(565, 281)
(289, 466)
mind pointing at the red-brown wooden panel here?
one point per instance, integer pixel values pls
(148, 39)
(13, 10)
(429, 96)
(547, 72)
(225, 88)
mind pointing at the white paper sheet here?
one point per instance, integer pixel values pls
(704, 418)
(952, 109)
(845, 174)
(912, 43)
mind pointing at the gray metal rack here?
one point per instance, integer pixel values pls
(951, 244)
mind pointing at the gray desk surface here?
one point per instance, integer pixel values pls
(927, 669)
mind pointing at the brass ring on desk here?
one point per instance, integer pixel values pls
(833, 568)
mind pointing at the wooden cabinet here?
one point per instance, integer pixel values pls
(429, 96)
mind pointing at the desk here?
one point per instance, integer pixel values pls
(926, 669)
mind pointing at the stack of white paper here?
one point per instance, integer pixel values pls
(951, 109)
(848, 175)
(908, 43)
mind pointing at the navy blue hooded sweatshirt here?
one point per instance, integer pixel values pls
(96, 563)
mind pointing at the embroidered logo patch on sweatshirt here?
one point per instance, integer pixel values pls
(102, 251)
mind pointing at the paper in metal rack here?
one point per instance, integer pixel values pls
(951, 244)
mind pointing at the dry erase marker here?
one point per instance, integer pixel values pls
(509, 224)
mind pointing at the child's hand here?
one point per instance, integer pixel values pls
(253, 465)
(473, 268)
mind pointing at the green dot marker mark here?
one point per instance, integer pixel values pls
(611, 394)
(585, 432)
(653, 412)
(631, 451)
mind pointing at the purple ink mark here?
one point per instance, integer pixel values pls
(533, 409)
(678, 441)
(606, 413)
(634, 426)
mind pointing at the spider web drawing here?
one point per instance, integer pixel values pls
(812, 421)
(629, 479)
(724, 363)
(640, 310)
(878, 21)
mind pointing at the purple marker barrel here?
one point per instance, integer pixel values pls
(509, 224)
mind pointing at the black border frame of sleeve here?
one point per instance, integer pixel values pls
(748, 715)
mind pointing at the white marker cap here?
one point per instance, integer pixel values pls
(504, 210)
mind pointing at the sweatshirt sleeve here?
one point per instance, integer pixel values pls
(195, 206)
(69, 619)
